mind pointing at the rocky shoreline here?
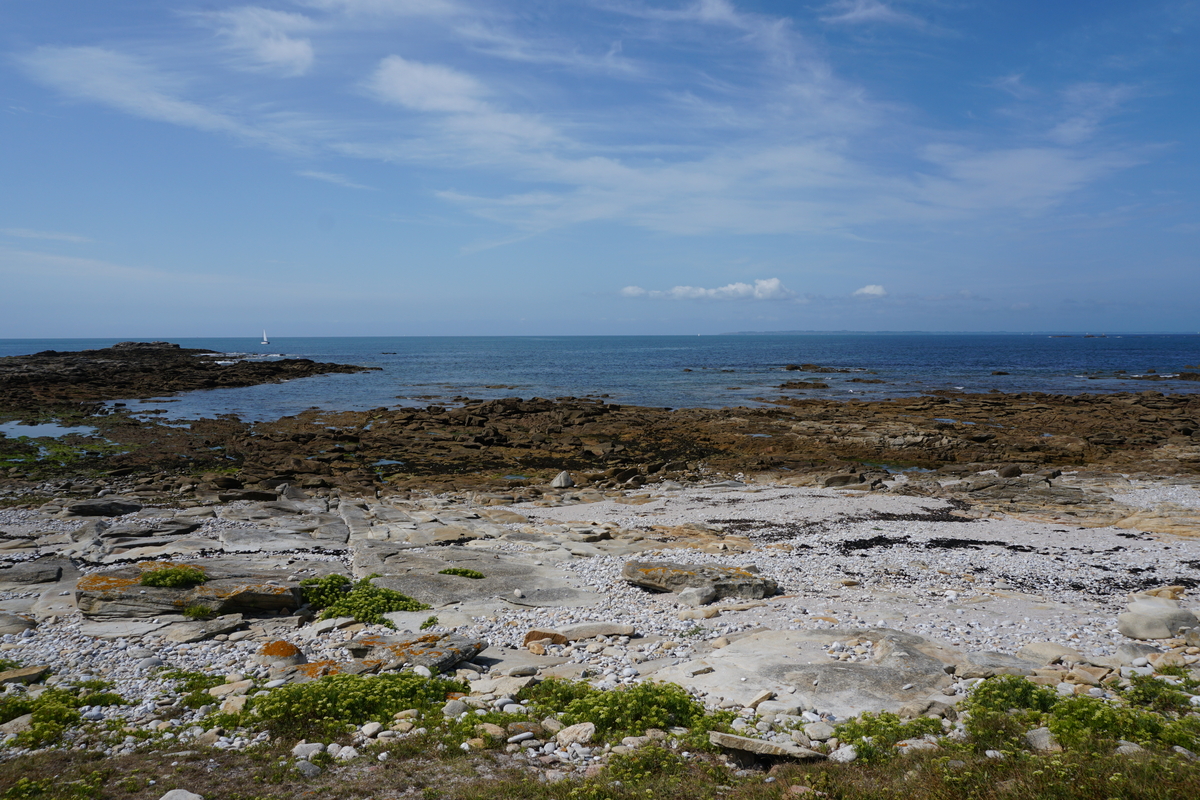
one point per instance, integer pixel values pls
(787, 567)
(137, 370)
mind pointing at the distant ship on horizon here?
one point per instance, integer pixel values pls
(265, 339)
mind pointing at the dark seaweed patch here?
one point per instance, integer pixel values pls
(871, 543)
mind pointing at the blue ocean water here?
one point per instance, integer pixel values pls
(673, 371)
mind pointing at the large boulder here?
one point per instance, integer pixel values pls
(118, 592)
(1152, 617)
(665, 576)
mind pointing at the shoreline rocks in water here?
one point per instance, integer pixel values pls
(138, 369)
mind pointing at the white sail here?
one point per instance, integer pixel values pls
(265, 339)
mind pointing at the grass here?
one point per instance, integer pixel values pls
(417, 769)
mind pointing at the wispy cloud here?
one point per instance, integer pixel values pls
(764, 289)
(869, 12)
(398, 8)
(25, 233)
(130, 85)
(334, 178)
(263, 39)
(1087, 105)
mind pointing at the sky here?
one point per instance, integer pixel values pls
(583, 167)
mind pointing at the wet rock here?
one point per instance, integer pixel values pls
(664, 576)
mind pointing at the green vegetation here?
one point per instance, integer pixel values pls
(874, 735)
(198, 612)
(173, 576)
(627, 711)
(7, 664)
(194, 685)
(53, 711)
(429, 623)
(338, 596)
(1151, 712)
(327, 705)
(462, 572)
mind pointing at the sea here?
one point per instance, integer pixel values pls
(673, 371)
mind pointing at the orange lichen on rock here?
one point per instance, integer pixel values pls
(103, 583)
(279, 649)
(319, 669)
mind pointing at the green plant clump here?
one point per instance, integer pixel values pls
(874, 735)
(1152, 712)
(630, 711)
(429, 623)
(173, 577)
(327, 705)
(338, 596)
(53, 711)
(462, 572)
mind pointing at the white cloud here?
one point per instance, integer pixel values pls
(763, 289)
(25, 233)
(332, 177)
(870, 290)
(426, 87)
(859, 12)
(261, 37)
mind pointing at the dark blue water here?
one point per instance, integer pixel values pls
(653, 370)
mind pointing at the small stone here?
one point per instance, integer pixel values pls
(306, 750)
(308, 769)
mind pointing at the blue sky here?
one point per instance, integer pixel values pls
(413, 167)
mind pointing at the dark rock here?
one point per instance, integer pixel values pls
(1010, 471)
(102, 507)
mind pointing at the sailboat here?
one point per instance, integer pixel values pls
(265, 339)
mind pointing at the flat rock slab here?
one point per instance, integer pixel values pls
(666, 576)
(989, 664)
(117, 593)
(44, 570)
(437, 651)
(15, 623)
(125, 628)
(187, 632)
(795, 665)
(417, 575)
(23, 675)
(762, 748)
